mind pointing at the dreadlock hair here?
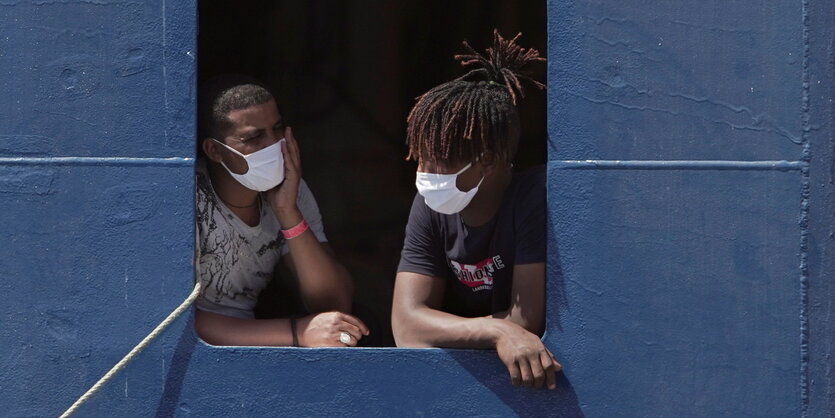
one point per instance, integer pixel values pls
(474, 115)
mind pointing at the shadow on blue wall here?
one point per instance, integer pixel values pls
(561, 402)
(482, 365)
(176, 373)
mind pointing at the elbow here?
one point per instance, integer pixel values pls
(403, 340)
(404, 332)
(400, 336)
(204, 328)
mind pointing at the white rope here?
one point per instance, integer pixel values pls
(139, 347)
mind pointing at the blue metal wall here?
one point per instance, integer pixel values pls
(691, 225)
(686, 220)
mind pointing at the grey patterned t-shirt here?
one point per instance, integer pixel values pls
(235, 260)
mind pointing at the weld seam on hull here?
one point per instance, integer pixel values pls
(98, 161)
(777, 165)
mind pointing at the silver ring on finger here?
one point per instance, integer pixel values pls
(344, 337)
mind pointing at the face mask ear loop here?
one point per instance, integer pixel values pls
(463, 169)
(229, 148)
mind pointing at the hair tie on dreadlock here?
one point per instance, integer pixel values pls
(501, 62)
(467, 118)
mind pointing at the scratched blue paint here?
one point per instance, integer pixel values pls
(681, 290)
(819, 242)
(97, 78)
(711, 78)
(678, 165)
(690, 163)
(691, 224)
(100, 161)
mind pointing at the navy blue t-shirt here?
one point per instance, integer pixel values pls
(477, 262)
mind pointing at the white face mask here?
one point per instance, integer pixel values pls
(265, 167)
(441, 194)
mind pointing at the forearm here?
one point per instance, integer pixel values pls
(324, 283)
(427, 327)
(219, 329)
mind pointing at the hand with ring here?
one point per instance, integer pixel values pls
(330, 329)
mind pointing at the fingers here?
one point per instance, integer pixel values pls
(288, 134)
(291, 149)
(529, 363)
(538, 372)
(557, 365)
(535, 371)
(352, 327)
(350, 341)
(356, 323)
(525, 372)
(352, 330)
(289, 164)
(515, 373)
(550, 368)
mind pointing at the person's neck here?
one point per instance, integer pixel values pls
(487, 201)
(239, 199)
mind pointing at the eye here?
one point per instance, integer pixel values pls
(252, 138)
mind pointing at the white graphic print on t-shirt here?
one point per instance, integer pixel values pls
(477, 276)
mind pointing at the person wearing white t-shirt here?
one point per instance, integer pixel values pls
(253, 211)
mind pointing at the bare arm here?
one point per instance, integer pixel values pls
(417, 321)
(323, 282)
(219, 329)
(316, 330)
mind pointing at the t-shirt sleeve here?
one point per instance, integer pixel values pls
(423, 250)
(310, 212)
(530, 220)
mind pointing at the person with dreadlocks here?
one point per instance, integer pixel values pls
(472, 268)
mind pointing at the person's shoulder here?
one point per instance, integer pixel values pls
(205, 200)
(422, 213)
(202, 183)
(419, 206)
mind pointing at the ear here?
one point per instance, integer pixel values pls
(490, 166)
(212, 150)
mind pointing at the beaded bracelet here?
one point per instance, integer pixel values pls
(296, 230)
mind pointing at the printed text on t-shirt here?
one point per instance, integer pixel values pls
(478, 276)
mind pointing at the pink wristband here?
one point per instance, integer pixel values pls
(296, 230)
